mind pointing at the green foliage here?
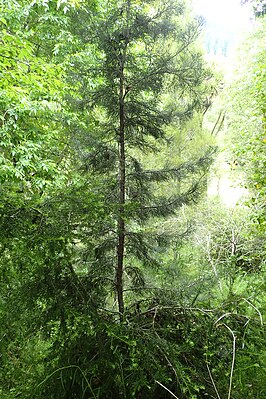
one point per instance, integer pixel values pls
(137, 55)
(29, 108)
(86, 87)
(247, 120)
(245, 268)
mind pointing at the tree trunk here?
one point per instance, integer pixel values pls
(122, 175)
(121, 214)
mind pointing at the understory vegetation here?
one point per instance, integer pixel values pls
(121, 277)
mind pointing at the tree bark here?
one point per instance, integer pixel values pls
(121, 211)
(122, 174)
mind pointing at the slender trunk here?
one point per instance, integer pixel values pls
(122, 175)
(121, 215)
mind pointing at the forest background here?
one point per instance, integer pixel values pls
(120, 276)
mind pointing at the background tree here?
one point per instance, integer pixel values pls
(259, 7)
(247, 121)
(34, 158)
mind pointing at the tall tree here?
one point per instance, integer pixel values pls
(86, 223)
(142, 50)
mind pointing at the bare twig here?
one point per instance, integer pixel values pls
(166, 358)
(233, 358)
(218, 123)
(168, 390)
(154, 317)
(221, 317)
(212, 263)
(254, 307)
(212, 380)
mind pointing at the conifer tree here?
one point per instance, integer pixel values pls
(142, 51)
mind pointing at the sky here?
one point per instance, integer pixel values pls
(226, 20)
(228, 13)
